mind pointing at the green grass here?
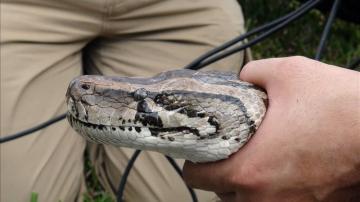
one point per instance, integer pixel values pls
(101, 197)
(34, 197)
(300, 38)
(95, 192)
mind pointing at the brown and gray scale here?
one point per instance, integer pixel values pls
(198, 116)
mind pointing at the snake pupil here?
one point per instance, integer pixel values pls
(85, 86)
(142, 106)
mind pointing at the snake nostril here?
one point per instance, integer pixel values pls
(85, 86)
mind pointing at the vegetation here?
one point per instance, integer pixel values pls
(96, 192)
(302, 36)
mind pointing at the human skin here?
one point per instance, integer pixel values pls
(308, 146)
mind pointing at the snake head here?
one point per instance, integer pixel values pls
(125, 102)
(184, 114)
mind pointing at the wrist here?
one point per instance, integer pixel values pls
(351, 121)
(347, 129)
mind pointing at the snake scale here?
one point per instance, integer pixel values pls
(195, 115)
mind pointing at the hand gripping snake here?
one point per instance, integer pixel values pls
(198, 116)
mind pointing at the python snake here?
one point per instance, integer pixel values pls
(198, 116)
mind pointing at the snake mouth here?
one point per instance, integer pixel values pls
(154, 131)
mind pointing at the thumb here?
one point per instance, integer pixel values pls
(261, 72)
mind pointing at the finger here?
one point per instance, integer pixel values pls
(208, 176)
(260, 72)
(271, 71)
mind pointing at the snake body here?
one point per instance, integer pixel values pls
(198, 116)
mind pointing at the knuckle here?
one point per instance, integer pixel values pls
(289, 67)
(291, 63)
(235, 180)
(296, 63)
(297, 58)
(249, 177)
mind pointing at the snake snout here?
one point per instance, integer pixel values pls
(79, 87)
(79, 95)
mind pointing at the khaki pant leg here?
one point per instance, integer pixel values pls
(146, 40)
(40, 53)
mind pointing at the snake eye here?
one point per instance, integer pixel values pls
(143, 107)
(140, 94)
(85, 86)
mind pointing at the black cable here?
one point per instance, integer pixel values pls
(354, 64)
(237, 39)
(326, 30)
(33, 129)
(178, 170)
(259, 38)
(120, 193)
(130, 165)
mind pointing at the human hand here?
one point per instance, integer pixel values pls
(307, 147)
